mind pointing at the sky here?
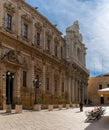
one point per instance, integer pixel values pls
(93, 18)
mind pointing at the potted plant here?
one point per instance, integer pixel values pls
(67, 104)
(37, 107)
(60, 104)
(50, 105)
(74, 104)
(18, 106)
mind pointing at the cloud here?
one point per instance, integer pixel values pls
(93, 18)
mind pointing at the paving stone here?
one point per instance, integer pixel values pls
(67, 119)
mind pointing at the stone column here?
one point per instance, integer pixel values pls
(52, 79)
(44, 77)
(76, 90)
(3, 85)
(33, 33)
(19, 25)
(18, 91)
(44, 37)
(69, 88)
(73, 91)
(60, 84)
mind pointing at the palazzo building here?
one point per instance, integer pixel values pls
(32, 47)
(95, 84)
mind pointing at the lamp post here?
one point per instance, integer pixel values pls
(36, 84)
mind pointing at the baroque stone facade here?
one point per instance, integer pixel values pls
(30, 47)
(95, 84)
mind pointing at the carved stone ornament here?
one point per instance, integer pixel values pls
(48, 34)
(27, 18)
(10, 7)
(56, 40)
(38, 26)
(10, 55)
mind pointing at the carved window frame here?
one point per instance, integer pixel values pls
(48, 41)
(56, 50)
(9, 9)
(25, 30)
(56, 46)
(26, 20)
(38, 27)
(9, 21)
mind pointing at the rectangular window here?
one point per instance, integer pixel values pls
(47, 83)
(62, 86)
(24, 78)
(9, 22)
(38, 38)
(56, 85)
(56, 51)
(25, 31)
(100, 86)
(48, 44)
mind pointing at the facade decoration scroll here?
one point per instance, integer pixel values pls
(10, 7)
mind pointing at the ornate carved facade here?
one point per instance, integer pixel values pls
(30, 46)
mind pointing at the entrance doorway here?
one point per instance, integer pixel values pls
(101, 100)
(9, 87)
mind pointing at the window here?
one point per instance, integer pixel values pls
(56, 51)
(107, 85)
(38, 38)
(100, 86)
(78, 54)
(48, 44)
(9, 22)
(24, 78)
(56, 85)
(62, 86)
(61, 52)
(25, 31)
(47, 83)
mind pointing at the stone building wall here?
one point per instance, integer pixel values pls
(94, 84)
(31, 46)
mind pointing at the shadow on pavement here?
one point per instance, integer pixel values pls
(5, 113)
(102, 124)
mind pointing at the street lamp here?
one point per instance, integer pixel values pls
(36, 84)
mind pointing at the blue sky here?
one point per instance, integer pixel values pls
(93, 17)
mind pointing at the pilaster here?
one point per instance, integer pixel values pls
(44, 77)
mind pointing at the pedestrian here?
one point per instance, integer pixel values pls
(81, 106)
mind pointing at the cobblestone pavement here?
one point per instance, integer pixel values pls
(66, 119)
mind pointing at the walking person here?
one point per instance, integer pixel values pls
(81, 106)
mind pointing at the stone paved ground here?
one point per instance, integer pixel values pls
(66, 119)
